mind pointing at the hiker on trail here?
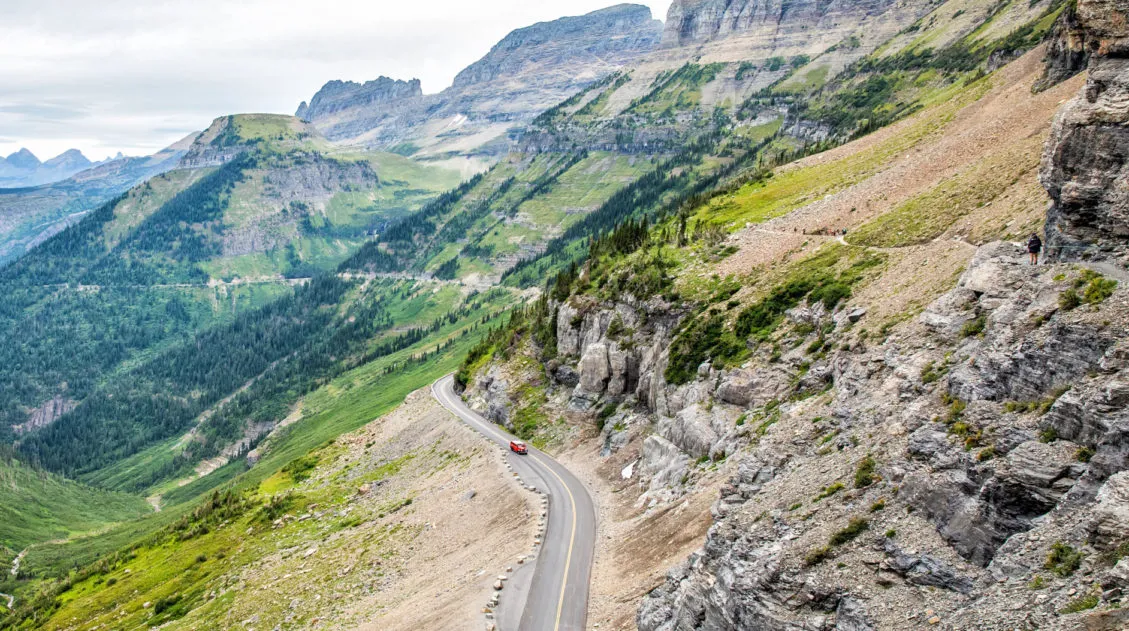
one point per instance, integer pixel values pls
(1034, 246)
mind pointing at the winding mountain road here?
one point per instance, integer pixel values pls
(558, 595)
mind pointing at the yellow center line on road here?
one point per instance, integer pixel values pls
(444, 397)
(571, 542)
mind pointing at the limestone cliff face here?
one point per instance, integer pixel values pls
(529, 71)
(615, 35)
(701, 21)
(1085, 168)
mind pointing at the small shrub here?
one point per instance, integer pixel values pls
(616, 328)
(762, 429)
(931, 373)
(878, 506)
(864, 473)
(973, 327)
(1084, 454)
(1019, 407)
(606, 412)
(1063, 559)
(854, 528)
(1112, 556)
(817, 556)
(741, 419)
(828, 491)
(111, 581)
(1038, 582)
(891, 533)
(300, 469)
(956, 411)
(1048, 435)
(201, 558)
(986, 454)
(1082, 603)
(1095, 288)
(1069, 299)
(795, 506)
(164, 604)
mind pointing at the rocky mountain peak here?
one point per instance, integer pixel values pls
(69, 159)
(624, 29)
(23, 159)
(340, 95)
(529, 71)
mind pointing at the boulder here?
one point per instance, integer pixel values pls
(850, 615)
(1111, 514)
(566, 376)
(594, 369)
(925, 570)
(663, 461)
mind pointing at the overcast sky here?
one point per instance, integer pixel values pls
(136, 75)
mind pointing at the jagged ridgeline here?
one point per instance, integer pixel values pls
(677, 195)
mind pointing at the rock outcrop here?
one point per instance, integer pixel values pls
(1068, 49)
(615, 36)
(46, 414)
(1085, 168)
(996, 460)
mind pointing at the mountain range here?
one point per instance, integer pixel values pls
(22, 168)
(529, 71)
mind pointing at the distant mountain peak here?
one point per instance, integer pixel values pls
(71, 159)
(337, 95)
(23, 159)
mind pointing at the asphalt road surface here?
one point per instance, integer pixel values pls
(558, 594)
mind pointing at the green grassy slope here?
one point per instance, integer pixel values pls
(37, 506)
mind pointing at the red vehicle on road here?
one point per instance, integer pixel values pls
(518, 447)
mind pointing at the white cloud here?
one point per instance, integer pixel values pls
(136, 75)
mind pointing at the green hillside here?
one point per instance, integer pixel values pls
(37, 506)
